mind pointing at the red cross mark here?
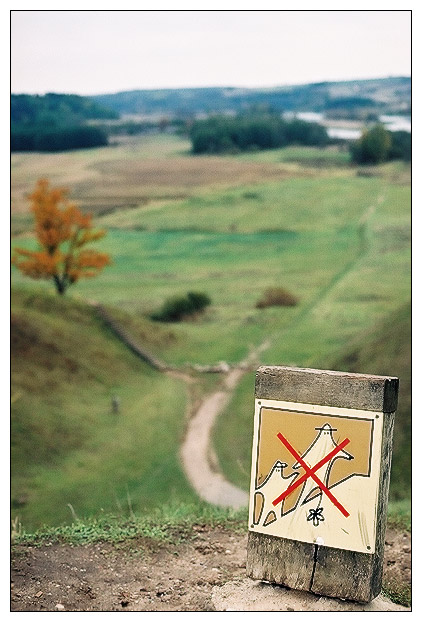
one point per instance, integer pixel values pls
(311, 473)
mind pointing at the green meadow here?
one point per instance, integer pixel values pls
(336, 237)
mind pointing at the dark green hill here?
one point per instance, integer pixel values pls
(386, 350)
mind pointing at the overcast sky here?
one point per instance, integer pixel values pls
(92, 52)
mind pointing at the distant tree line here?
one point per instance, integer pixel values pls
(378, 145)
(56, 122)
(135, 128)
(221, 134)
(40, 138)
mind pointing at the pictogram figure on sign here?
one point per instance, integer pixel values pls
(267, 491)
(317, 462)
(322, 453)
(311, 476)
(316, 516)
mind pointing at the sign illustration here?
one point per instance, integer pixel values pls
(315, 474)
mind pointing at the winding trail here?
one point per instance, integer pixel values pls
(196, 452)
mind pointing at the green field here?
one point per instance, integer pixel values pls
(336, 237)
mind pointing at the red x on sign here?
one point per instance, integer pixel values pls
(311, 473)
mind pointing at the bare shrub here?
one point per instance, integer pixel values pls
(277, 297)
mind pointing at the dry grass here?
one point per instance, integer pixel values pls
(277, 297)
(186, 172)
(139, 181)
(110, 178)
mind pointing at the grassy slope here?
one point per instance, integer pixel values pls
(384, 349)
(67, 446)
(363, 295)
(302, 231)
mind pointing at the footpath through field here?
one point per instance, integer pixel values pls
(198, 458)
(197, 455)
(196, 451)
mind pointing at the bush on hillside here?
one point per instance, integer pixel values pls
(277, 297)
(401, 146)
(177, 308)
(379, 145)
(372, 147)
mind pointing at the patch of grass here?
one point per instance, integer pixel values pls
(148, 168)
(354, 323)
(400, 514)
(385, 349)
(362, 293)
(169, 523)
(237, 422)
(332, 156)
(233, 269)
(143, 330)
(398, 592)
(293, 202)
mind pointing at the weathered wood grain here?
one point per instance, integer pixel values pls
(279, 560)
(327, 388)
(320, 569)
(361, 575)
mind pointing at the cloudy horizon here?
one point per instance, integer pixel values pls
(95, 52)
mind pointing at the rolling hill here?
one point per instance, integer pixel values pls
(386, 350)
(383, 96)
(71, 454)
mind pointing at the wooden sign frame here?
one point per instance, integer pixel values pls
(310, 566)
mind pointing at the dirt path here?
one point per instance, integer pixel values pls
(198, 458)
(142, 575)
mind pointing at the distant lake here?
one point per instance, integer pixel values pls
(396, 123)
(350, 130)
(344, 133)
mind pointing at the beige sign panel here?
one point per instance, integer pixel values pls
(315, 474)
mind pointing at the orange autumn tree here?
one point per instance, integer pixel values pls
(62, 233)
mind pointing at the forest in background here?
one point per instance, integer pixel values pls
(58, 122)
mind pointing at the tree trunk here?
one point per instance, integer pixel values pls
(60, 285)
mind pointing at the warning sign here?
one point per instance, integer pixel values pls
(315, 474)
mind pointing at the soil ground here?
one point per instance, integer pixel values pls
(143, 575)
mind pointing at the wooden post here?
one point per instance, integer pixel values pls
(326, 539)
(115, 404)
